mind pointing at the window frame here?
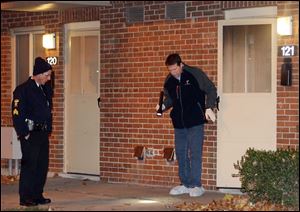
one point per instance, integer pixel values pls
(23, 31)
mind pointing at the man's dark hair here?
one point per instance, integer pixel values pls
(173, 59)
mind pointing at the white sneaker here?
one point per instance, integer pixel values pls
(179, 190)
(196, 191)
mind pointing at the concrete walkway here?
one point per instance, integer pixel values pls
(69, 194)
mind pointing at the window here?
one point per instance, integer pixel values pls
(247, 59)
(28, 45)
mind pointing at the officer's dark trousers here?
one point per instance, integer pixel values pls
(34, 165)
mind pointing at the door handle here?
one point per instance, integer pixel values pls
(99, 101)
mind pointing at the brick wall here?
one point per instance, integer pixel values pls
(132, 74)
(133, 56)
(288, 96)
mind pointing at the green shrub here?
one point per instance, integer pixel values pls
(270, 175)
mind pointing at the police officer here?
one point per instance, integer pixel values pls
(32, 120)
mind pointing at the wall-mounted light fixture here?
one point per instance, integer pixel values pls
(49, 41)
(285, 25)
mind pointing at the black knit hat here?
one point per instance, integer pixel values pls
(40, 66)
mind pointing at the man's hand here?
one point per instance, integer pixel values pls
(210, 115)
(162, 107)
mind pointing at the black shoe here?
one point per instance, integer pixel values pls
(43, 201)
(28, 203)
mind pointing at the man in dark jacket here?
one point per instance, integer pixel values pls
(193, 98)
(32, 120)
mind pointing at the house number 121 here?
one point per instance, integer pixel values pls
(287, 51)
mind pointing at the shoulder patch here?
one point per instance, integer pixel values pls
(16, 101)
(15, 112)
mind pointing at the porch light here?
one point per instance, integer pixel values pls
(49, 41)
(285, 25)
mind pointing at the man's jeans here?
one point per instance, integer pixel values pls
(188, 147)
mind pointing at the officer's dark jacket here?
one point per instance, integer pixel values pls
(29, 102)
(189, 97)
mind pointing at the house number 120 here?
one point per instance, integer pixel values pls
(52, 60)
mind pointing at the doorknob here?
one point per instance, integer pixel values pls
(99, 101)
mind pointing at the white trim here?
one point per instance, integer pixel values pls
(90, 25)
(92, 3)
(26, 30)
(13, 63)
(260, 12)
(30, 54)
(79, 176)
(32, 6)
(230, 191)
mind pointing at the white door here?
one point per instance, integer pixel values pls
(82, 112)
(247, 89)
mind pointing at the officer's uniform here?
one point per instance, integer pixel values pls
(30, 102)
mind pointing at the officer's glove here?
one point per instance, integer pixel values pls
(27, 136)
(210, 115)
(163, 107)
(24, 137)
